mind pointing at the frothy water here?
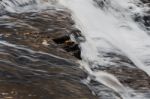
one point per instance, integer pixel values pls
(109, 28)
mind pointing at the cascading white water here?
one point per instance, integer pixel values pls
(110, 31)
(106, 30)
(105, 33)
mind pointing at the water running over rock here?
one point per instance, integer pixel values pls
(40, 48)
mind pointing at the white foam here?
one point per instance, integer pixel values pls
(110, 31)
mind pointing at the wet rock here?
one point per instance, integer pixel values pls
(45, 43)
(69, 45)
(73, 47)
(38, 60)
(77, 54)
(78, 36)
(131, 77)
(143, 19)
(65, 90)
(145, 1)
(146, 20)
(62, 39)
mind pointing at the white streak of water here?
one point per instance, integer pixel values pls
(108, 30)
(112, 31)
(19, 6)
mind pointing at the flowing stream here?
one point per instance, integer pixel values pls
(112, 38)
(109, 28)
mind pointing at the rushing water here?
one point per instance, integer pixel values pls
(109, 28)
(113, 40)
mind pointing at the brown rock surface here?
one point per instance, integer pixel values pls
(32, 64)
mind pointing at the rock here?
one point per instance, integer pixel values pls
(62, 39)
(69, 43)
(43, 65)
(77, 54)
(73, 47)
(45, 43)
(78, 36)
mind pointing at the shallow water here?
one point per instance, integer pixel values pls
(32, 65)
(115, 52)
(113, 39)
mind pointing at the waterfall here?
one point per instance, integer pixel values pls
(112, 37)
(109, 28)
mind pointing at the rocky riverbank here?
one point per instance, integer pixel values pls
(38, 59)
